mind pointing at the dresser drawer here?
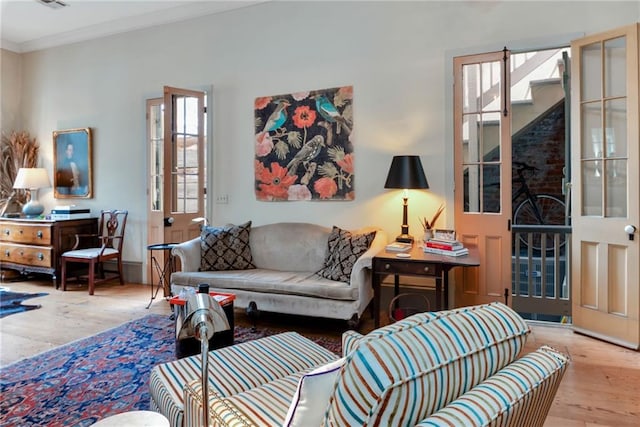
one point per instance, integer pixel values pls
(40, 256)
(405, 267)
(36, 234)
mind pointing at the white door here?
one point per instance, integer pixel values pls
(482, 159)
(176, 183)
(184, 171)
(605, 139)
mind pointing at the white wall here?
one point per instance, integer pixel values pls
(397, 56)
(10, 88)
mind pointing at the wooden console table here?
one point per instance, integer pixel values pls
(421, 264)
(35, 245)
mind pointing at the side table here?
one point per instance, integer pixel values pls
(163, 270)
(134, 419)
(416, 263)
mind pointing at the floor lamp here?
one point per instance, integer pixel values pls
(204, 317)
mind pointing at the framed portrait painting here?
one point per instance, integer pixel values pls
(72, 176)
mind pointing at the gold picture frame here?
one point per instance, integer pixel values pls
(72, 165)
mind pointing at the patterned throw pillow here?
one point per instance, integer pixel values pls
(226, 248)
(344, 250)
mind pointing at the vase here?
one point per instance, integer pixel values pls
(428, 235)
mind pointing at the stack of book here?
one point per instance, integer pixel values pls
(445, 247)
(69, 212)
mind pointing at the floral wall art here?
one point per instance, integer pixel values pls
(303, 146)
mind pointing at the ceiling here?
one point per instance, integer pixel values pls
(27, 25)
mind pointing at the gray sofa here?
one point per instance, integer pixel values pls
(286, 256)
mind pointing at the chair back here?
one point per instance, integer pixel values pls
(111, 228)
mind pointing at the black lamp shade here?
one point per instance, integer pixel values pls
(406, 172)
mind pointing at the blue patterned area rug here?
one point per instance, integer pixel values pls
(96, 377)
(11, 302)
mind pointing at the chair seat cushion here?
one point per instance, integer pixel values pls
(90, 253)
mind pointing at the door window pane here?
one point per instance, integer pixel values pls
(156, 157)
(615, 120)
(615, 67)
(471, 138)
(592, 131)
(592, 171)
(472, 188)
(591, 82)
(616, 189)
(491, 196)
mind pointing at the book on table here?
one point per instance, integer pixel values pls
(70, 211)
(398, 247)
(448, 245)
(59, 216)
(456, 252)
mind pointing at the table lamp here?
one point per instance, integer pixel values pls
(406, 173)
(32, 179)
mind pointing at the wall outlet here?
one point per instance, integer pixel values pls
(222, 199)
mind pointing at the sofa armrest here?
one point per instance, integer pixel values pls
(189, 254)
(523, 388)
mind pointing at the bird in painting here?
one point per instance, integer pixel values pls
(330, 113)
(308, 152)
(278, 116)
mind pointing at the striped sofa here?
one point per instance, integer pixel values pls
(458, 367)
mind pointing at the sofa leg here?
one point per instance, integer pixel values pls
(354, 322)
(253, 313)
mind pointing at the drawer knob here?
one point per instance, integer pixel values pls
(39, 234)
(7, 232)
(387, 266)
(40, 256)
(426, 269)
(7, 253)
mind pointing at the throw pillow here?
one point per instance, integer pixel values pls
(344, 249)
(312, 395)
(226, 248)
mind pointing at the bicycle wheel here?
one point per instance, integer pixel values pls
(552, 212)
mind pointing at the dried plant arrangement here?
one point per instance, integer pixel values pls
(428, 225)
(19, 150)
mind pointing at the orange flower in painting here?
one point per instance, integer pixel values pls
(275, 183)
(346, 92)
(262, 102)
(325, 187)
(346, 163)
(304, 116)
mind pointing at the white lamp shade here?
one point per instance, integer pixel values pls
(32, 178)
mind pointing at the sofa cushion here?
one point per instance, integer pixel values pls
(343, 250)
(269, 282)
(312, 395)
(406, 371)
(226, 248)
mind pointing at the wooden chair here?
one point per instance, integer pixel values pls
(104, 246)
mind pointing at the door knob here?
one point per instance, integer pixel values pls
(630, 230)
(168, 221)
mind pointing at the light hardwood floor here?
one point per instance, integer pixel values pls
(600, 388)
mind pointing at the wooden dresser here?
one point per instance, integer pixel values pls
(29, 245)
